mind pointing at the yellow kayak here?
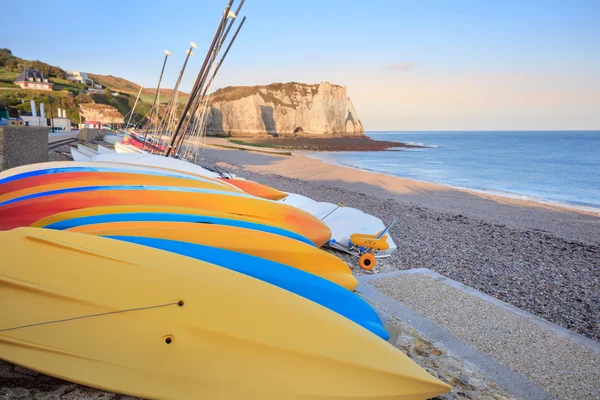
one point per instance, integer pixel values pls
(119, 317)
(261, 244)
(104, 210)
(104, 214)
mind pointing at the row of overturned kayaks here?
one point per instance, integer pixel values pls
(165, 280)
(342, 221)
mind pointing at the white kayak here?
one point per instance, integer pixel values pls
(342, 221)
(79, 156)
(104, 150)
(86, 150)
(153, 160)
(112, 139)
(126, 149)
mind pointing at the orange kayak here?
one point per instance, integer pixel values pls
(269, 246)
(46, 183)
(257, 189)
(57, 172)
(27, 210)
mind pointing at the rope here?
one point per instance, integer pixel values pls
(332, 211)
(180, 303)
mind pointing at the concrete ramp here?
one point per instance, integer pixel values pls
(529, 356)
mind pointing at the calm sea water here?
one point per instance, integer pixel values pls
(558, 166)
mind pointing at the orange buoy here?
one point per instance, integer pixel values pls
(367, 261)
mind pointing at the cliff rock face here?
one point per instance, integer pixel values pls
(101, 112)
(283, 109)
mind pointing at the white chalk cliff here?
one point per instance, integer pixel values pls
(283, 109)
(100, 112)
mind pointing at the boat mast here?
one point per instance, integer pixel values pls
(171, 107)
(167, 55)
(200, 78)
(209, 84)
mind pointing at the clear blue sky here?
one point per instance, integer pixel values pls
(407, 64)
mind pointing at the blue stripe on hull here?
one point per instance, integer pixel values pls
(309, 286)
(173, 217)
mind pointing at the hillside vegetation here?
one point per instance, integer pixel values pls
(20, 99)
(70, 95)
(7, 78)
(123, 103)
(124, 86)
(63, 95)
(16, 64)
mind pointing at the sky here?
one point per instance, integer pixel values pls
(408, 65)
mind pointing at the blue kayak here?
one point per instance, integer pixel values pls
(174, 217)
(309, 286)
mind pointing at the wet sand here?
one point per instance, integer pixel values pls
(361, 143)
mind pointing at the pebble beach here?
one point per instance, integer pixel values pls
(542, 258)
(261, 219)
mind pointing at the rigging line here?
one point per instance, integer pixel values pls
(201, 109)
(191, 143)
(136, 101)
(173, 119)
(179, 303)
(174, 96)
(189, 125)
(211, 56)
(200, 132)
(190, 138)
(215, 70)
(196, 88)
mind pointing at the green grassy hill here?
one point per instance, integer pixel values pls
(20, 99)
(69, 95)
(7, 78)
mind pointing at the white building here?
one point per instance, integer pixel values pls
(33, 79)
(33, 121)
(77, 76)
(32, 118)
(62, 124)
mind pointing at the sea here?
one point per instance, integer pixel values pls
(550, 166)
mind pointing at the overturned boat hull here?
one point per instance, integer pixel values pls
(195, 331)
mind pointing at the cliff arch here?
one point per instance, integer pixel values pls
(350, 125)
(269, 121)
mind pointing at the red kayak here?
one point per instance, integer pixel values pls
(17, 213)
